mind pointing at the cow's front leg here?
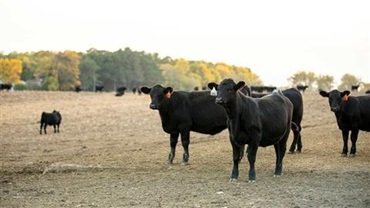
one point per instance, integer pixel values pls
(345, 134)
(55, 128)
(354, 134)
(236, 160)
(252, 152)
(173, 142)
(185, 140)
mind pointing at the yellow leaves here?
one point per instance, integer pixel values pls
(185, 75)
(182, 66)
(10, 70)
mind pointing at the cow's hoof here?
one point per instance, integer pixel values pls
(291, 152)
(277, 176)
(233, 179)
(344, 155)
(184, 163)
(352, 155)
(251, 181)
(299, 151)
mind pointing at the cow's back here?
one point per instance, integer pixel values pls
(207, 117)
(58, 117)
(296, 99)
(364, 102)
(51, 118)
(276, 114)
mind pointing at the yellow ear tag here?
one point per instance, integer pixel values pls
(345, 98)
(168, 95)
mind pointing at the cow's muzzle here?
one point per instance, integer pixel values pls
(219, 100)
(153, 106)
(335, 109)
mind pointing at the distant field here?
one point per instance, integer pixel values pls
(112, 152)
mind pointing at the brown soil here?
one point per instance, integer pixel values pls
(112, 152)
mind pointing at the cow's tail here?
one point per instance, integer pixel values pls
(294, 127)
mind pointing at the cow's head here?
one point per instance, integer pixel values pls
(335, 98)
(158, 94)
(226, 90)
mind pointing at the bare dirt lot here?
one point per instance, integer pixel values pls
(111, 152)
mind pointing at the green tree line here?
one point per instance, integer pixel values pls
(68, 69)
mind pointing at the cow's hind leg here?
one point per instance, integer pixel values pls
(299, 143)
(185, 140)
(294, 143)
(296, 139)
(354, 134)
(41, 128)
(280, 149)
(173, 142)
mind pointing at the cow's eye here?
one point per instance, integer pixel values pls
(160, 96)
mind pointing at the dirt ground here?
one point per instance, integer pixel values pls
(112, 152)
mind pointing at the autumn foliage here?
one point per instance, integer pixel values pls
(68, 69)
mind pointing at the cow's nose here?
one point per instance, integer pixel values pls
(334, 109)
(219, 100)
(153, 106)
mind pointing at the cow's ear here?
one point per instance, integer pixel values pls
(239, 85)
(145, 90)
(212, 85)
(344, 95)
(346, 92)
(324, 93)
(168, 91)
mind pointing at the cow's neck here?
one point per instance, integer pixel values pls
(231, 109)
(166, 109)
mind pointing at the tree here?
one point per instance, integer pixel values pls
(303, 78)
(10, 70)
(88, 77)
(67, 66)
(324, 82)
(347, 81)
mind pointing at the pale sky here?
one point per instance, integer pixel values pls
(274, 38)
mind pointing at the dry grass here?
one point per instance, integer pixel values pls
(111, 152)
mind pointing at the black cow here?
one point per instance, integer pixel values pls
(99, 88)
(254, 121)
(302, 88)
(182, 112)
(261, 89)
(296, 99)
(367, 92)
(53, 118)
(121, 91)
(78, 89)
(352, 114)
(6, 87)
(355, 87)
